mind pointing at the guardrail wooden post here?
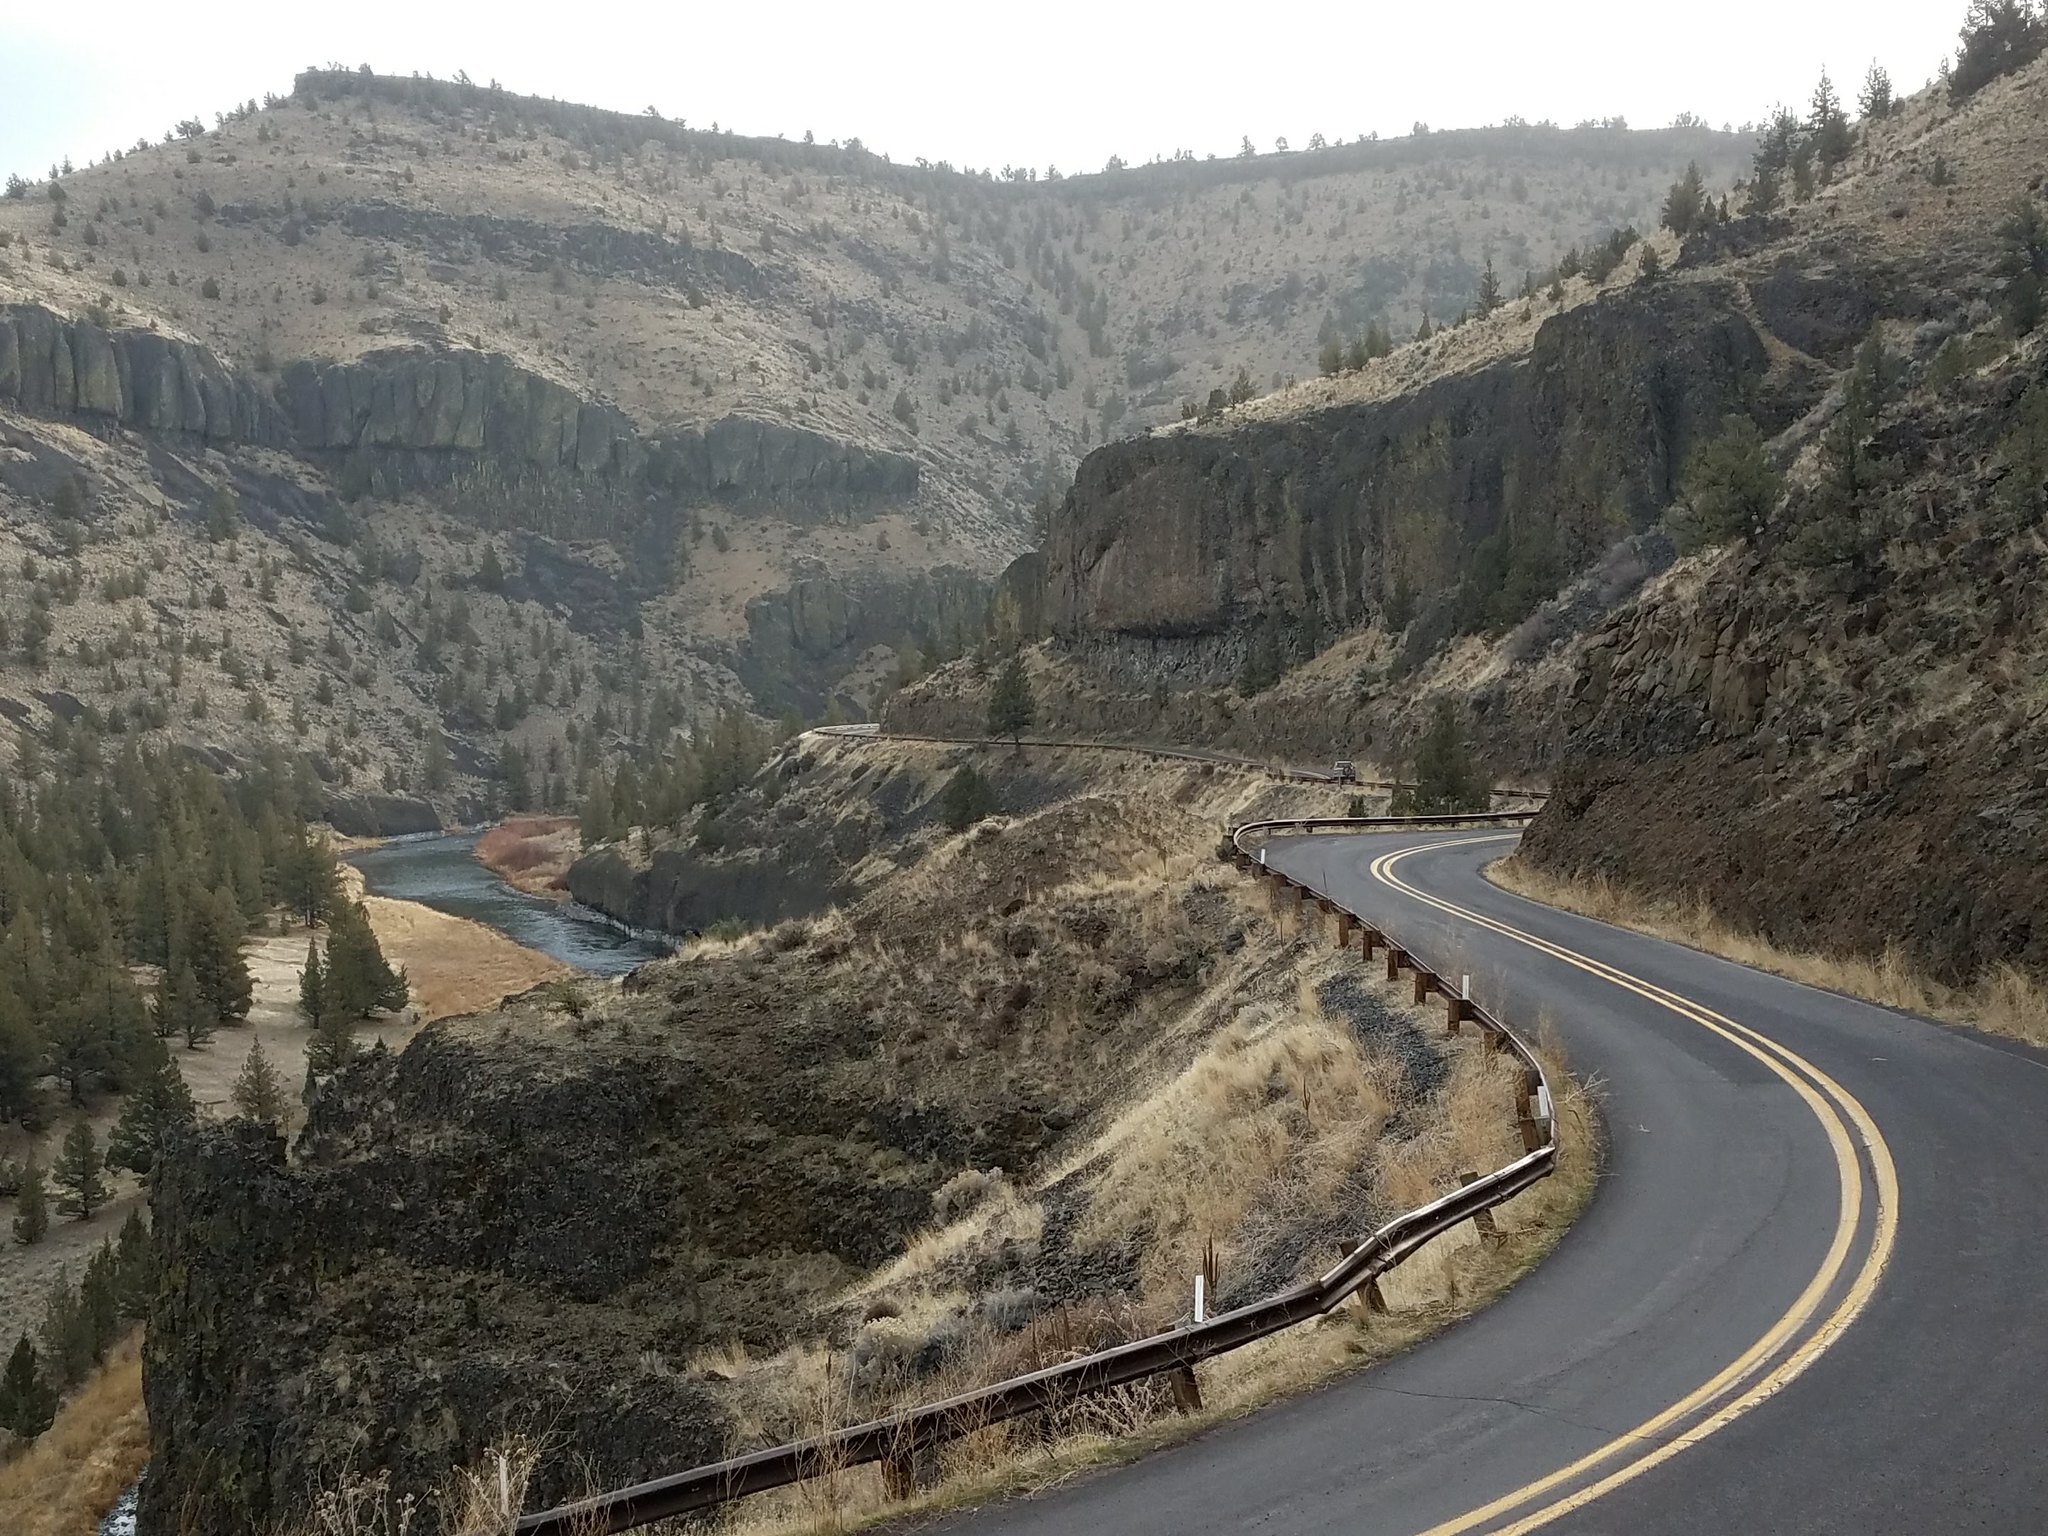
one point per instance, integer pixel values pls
(1371, 937)
(1394, 959)
(1482, 1221)
(1344, 922)
(899, 1475)
(1423, 982)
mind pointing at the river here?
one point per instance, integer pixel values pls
(442, 873)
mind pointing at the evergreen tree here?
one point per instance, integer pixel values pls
(135, 1267)
(28, 1402)
(966, 799)
(1875, 100)
(1827, 124)
(1730, 487)
(1331, 359)
(1011, 707)
(160, 1105)
(67, 1333)
(21, 1055)
(1685, 205)
(1999, 36)
(1447, 780)
(308, 876)
(32, 1208)
(78, 1173)
(214, 929)
(313, 985)
(259, 1092)
(358, 980)
(1490, 297)
(2023, 262)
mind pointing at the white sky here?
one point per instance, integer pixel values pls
(977, 84)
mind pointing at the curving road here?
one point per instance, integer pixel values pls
(1810, 1296)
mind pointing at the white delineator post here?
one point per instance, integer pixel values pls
(1201, 1297)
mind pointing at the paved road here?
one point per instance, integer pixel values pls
(1753, 1329)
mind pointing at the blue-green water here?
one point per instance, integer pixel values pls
(442, 873)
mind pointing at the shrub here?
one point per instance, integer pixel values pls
(210, 289)
(1730, 488)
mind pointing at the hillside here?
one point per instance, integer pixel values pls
(1850, 672)
(740, 422)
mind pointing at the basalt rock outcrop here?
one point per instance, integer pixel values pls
(1316, 521)
(434, 412)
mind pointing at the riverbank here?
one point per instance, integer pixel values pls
(532, 853)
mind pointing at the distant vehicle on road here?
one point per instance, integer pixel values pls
(1344, 771)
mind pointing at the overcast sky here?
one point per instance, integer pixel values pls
(981, 85)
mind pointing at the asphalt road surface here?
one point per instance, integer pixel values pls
(1811, 1294)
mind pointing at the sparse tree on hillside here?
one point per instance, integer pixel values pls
(2023, 260)
(1999, 36)
(78, 1173)
(32, 1206)
(1686, 202)
(1447, 779)
(1828, 126)
(966, 799)
(1875, 100)
(1011, 707)
(1331, 359)
(1730, 488)
(259, 1092)
(1489, 288)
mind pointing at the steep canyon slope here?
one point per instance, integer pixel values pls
(523, 419)
(1830, 727)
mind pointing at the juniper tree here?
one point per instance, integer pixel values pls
(1447, 779)
(358, 979)
(1729, 489)
(1686, 202)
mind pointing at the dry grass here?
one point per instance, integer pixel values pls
(2004, 1001)
(63, 1483)
(455, 965)
(532, 853)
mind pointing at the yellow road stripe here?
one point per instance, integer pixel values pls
(1800, 1075)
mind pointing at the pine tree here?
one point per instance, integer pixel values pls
(1011, 707)
(1447, 780)
(1730, 487)
(32, 1208)
(359, 980)
(1686, 203)
(214, 929)
(135, 1267)
(966, 799)
(1331, 359)
(259, 1092)
(28, 1402)
(313, 985)
(1875, 101)
(1831, 136)
(159, 1105)
(78, 1173)
(1490, 297)
(308, 876)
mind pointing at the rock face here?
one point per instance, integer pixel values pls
(1836, 755)
(426, 415)
(55, 367)
(821, 624)
(1315, 522)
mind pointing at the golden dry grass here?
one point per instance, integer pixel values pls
(63, 1483)
(2004, 1001)
(455, 965)
(532, 853)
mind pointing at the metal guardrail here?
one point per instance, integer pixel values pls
(896, 1439)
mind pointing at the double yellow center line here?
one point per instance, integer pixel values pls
(1789, 1346)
